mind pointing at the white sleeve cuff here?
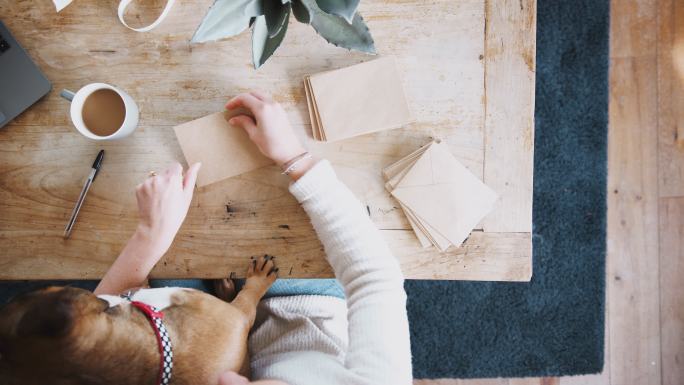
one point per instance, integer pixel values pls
(319, 178)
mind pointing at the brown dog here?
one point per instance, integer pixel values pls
(70, 336)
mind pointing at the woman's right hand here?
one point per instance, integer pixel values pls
(270, 129)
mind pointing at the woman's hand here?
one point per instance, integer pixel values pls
(163, 202)
(270, 129)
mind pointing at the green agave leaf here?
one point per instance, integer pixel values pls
(263, 46)
(342, 8)
(337, 31)
(301, 12)
(227, 18)
(277, 15)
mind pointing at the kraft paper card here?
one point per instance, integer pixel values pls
(442, 200)
(356, 100)
(223, 149)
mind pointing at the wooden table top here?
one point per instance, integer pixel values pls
(468, 70)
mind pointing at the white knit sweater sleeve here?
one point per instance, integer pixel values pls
(379, 347)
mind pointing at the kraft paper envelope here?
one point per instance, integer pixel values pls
(394, 172)
(426, 234)
(441, 192)
(357, 100)
(313, 112)
(223, 149)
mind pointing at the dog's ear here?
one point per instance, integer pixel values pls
(49, 317)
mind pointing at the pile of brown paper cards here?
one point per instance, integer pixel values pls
(223, 149)
(442, 200)
(356, 100)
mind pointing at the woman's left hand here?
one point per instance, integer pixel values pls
(163, 202)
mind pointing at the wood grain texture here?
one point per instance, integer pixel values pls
(632, 254)
(509, 112)
(43, 160)
(671, 289)
(671, 97)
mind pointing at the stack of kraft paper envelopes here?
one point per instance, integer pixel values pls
(356, 100)
(442, 200)
(223, 149)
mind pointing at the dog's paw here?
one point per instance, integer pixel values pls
(262, 272)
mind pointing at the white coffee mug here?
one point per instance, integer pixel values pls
(77, 99)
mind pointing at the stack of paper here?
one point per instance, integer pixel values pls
(356, 100)
(224, 150)
(442, 200)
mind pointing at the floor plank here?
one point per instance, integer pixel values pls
(632, 255)
(671, 289)
(671, 97)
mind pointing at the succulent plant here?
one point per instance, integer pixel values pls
(337, 21)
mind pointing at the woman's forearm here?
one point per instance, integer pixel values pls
(133, 265)
(163, 201)
(379, 349)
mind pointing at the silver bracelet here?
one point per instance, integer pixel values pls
(291, 165)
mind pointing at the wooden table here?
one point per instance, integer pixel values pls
(468, 69)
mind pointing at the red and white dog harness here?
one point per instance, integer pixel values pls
(163, 341)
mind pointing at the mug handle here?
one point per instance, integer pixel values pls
(68, 95)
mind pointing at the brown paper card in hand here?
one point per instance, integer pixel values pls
(223, 149)
(440, 191)
(360, 99)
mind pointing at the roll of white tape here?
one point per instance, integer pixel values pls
(60, 4)
(124, 4)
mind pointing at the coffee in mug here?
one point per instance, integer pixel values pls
(102, 112)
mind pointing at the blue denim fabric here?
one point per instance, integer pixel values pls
(281, 287)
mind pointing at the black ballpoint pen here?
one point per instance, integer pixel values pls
(84, 191)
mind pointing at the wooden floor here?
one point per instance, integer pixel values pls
(645, 267)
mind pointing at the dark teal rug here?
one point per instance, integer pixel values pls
(553, 325)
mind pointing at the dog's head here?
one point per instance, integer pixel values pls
(42, 328)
